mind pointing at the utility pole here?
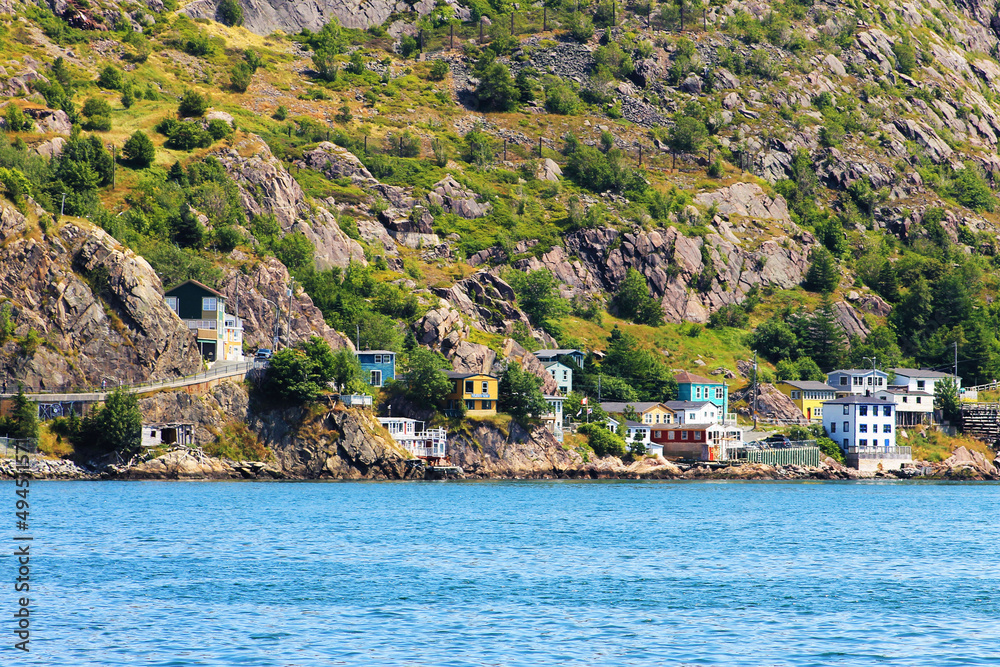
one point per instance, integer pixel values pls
(956, 362)
(755, 390)
(114, 165)
(598, 387)
(62, 209)
(357, 332)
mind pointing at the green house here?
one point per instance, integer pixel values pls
(203, 309)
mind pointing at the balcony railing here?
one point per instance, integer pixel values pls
(880, 452)
(202, 324)
(479, 396)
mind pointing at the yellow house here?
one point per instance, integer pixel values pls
(478, 392)
(808, 396)
(648, 412)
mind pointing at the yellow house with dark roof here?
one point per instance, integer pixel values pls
(808, 396)
(477, 392)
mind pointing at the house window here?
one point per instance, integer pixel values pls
(684, 435)
(692, 416)
(887, 428)
(833, 427)
(818, 412)
(209, 303)
(921, 384)
(376, 379)
(486, 387)
(886, 410)
(487, 405)
(468, 387)
(719, 393)
(918, 399)
(847, 427)
(470, 405)
(657, 417)
(647, 419)
(846, 443)
(862, 443)
(172, 303)
(880, 381)
(697, 392)
(862, 428)
(847, 409)
(697, 435)
(565, 375)
(796, 394)
(856, 380)
(843, 380)
(670, 435)
(904, 400)
(862, 410)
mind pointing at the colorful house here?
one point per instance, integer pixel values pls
(912, 407)
(546, 356)
(808, 396)
(377, 366)
(691, 387)
(690, 440)
(915, 379)
(648, 412)
(220, 335)
(477, 392)
(562, 374)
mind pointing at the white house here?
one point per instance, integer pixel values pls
(695, 412)
(629, 431)
(411, 435)
(865, 428)
(912, 407)
(857, 382)
(916, 379)
(562, 374)
(553, 419)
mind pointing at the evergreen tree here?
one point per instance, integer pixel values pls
(946, 400)
(823, 275)
(912, 317)
(496, 90)
(774, 340)
(25, 416)
(625, 358)
(826, 337)
(139, 150)
(888, 284)
(634, 301)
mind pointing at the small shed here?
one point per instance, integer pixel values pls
(172, 433)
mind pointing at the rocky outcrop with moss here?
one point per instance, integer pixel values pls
(84, 308)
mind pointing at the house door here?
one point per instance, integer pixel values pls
(809, 414)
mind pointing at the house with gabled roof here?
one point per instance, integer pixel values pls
(691, 387)
(203, 310)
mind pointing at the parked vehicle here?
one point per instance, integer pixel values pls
(263, 354)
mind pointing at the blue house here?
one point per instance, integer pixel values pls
(691, 387)
(377, 366)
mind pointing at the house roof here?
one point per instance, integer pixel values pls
(683, 427)
(551, 397)
(556, 353)
(686, 405)
(375, 352)
(631, 424)
(902, 391)
(808, 385)
(847, 400)
(618, 407)
(550, 364)
(461, 375)
(921, 373)
(198, 285)
(857, 371)
(690, 378)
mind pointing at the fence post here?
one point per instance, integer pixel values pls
(545, 18)
(452, 45)
(539, 147)
(512, 23)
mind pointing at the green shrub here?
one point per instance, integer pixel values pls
(439, 70)
(193, 104)
(139, 150)
(230, 13)
(15, 120)
(111, 78)
(560, 98)
(240, 77)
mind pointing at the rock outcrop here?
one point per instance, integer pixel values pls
(256, 293)
(209, 413)
(337, 444)
(97, 309)
(482, 449)
(266, 16)
(266, 187)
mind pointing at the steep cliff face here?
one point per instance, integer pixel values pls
(483, 449)
(97, 308)
(335, 443)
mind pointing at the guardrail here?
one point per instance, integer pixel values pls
(227, 370)
(880, 452)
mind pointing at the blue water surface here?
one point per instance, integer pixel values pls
(508, 573)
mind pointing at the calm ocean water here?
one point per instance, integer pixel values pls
(509, 573)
